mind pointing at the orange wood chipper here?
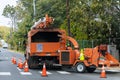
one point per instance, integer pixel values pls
(100, 56)
(47, 44)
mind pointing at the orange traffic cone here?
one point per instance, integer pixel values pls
(18, 63)
(26, 69)
(14, 61)
(103, 73)
(21, 64)
(44, 73)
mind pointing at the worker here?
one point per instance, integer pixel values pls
(82, 58)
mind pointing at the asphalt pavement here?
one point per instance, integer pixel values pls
(9, 71)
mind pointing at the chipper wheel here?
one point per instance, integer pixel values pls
(32, 62)
(80, 67)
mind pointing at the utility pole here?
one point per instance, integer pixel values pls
(34, 8)
(68, 19)
(68, 16)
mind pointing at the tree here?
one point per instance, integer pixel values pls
(9, 12)
(89, 19)
(93, 18)
(4, 32)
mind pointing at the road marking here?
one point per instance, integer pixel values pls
(4, 58)
(47, 72)
(98, 71)
(63, 72)
(5, 73)
(19, 69)
(113, 70)
(25, 73)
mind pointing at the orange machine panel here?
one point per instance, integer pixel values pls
(44, 47)
(88, 52)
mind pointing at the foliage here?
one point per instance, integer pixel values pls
(9, 11)
(89, 19)
(4, 32)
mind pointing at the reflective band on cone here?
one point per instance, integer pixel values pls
(26, 69)
(103, 73)
(44, 73)
(21, 64)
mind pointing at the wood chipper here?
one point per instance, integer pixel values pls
(100, 56)
(47, 44)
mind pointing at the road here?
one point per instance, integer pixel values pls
(9, 71)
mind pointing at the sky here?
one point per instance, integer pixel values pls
(3, 20)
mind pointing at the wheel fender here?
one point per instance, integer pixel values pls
(86, 63)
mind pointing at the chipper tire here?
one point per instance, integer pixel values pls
(32, 63)
(80, 68)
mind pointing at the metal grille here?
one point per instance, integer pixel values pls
(65, 56)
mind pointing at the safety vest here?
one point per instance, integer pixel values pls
(82, 58)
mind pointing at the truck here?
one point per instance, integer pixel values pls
(47, 44)
(5, 46)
